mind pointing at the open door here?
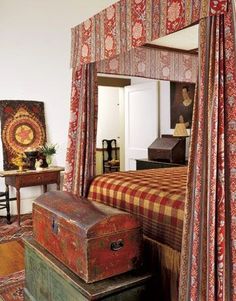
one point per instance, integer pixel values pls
(141, 121)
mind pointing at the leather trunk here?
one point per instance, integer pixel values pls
(93, 240)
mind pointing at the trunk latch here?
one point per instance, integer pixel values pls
(117, 245)
(54, 226)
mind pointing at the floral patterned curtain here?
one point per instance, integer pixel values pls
(81, 152)
(153, 63)
(125, 25)
(208, 269)
(129, 24)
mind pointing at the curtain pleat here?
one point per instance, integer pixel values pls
(208, 269)
(81, 151)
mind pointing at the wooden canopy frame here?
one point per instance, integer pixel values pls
(109, 42)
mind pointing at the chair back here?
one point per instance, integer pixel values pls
(108, 147)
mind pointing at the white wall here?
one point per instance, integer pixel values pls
(164, 103)
(108, 114)
(141, 121)
(34, 62)
(165, 108)
(140, 80)
(122, 128)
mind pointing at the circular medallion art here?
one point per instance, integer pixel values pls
(22, 132)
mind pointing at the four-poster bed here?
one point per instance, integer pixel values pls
(208, 254)
(156, 197)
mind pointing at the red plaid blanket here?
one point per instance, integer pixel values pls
(155, 196)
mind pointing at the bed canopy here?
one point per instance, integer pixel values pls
(132, 23)
(108, 43)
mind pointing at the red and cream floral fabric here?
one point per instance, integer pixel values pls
(81, 152)
(132, 23)
(144, 62)
(153, 63)
(209, 242)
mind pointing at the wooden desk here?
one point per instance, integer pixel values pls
(30, 178)
(147, 164)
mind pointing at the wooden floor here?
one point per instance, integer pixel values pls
(11, 257)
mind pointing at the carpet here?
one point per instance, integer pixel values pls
(13, 231)
(12, 286)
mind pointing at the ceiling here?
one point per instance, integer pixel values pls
(186, 39)
(88, 8)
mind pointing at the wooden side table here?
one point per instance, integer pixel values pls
(30, 178)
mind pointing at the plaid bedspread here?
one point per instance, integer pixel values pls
(155, 196)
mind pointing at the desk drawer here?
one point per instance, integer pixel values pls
(38, 179)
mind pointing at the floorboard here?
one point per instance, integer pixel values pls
(11, 257)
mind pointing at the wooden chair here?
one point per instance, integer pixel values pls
(111, 162)
(5, 203)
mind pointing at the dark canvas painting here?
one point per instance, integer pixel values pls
(22, 127)
(182, 99)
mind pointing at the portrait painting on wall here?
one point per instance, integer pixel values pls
(182, 98)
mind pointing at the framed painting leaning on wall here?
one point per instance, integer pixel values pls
(182, 98)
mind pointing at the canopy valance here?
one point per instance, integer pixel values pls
(132, 23)
(153, 63)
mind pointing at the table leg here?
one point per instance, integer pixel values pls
(58, 185)
(18, 204)
(45, 188)
(8, 205)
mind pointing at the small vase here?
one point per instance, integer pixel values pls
(49, 160)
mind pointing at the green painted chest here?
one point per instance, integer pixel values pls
(49, 280)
